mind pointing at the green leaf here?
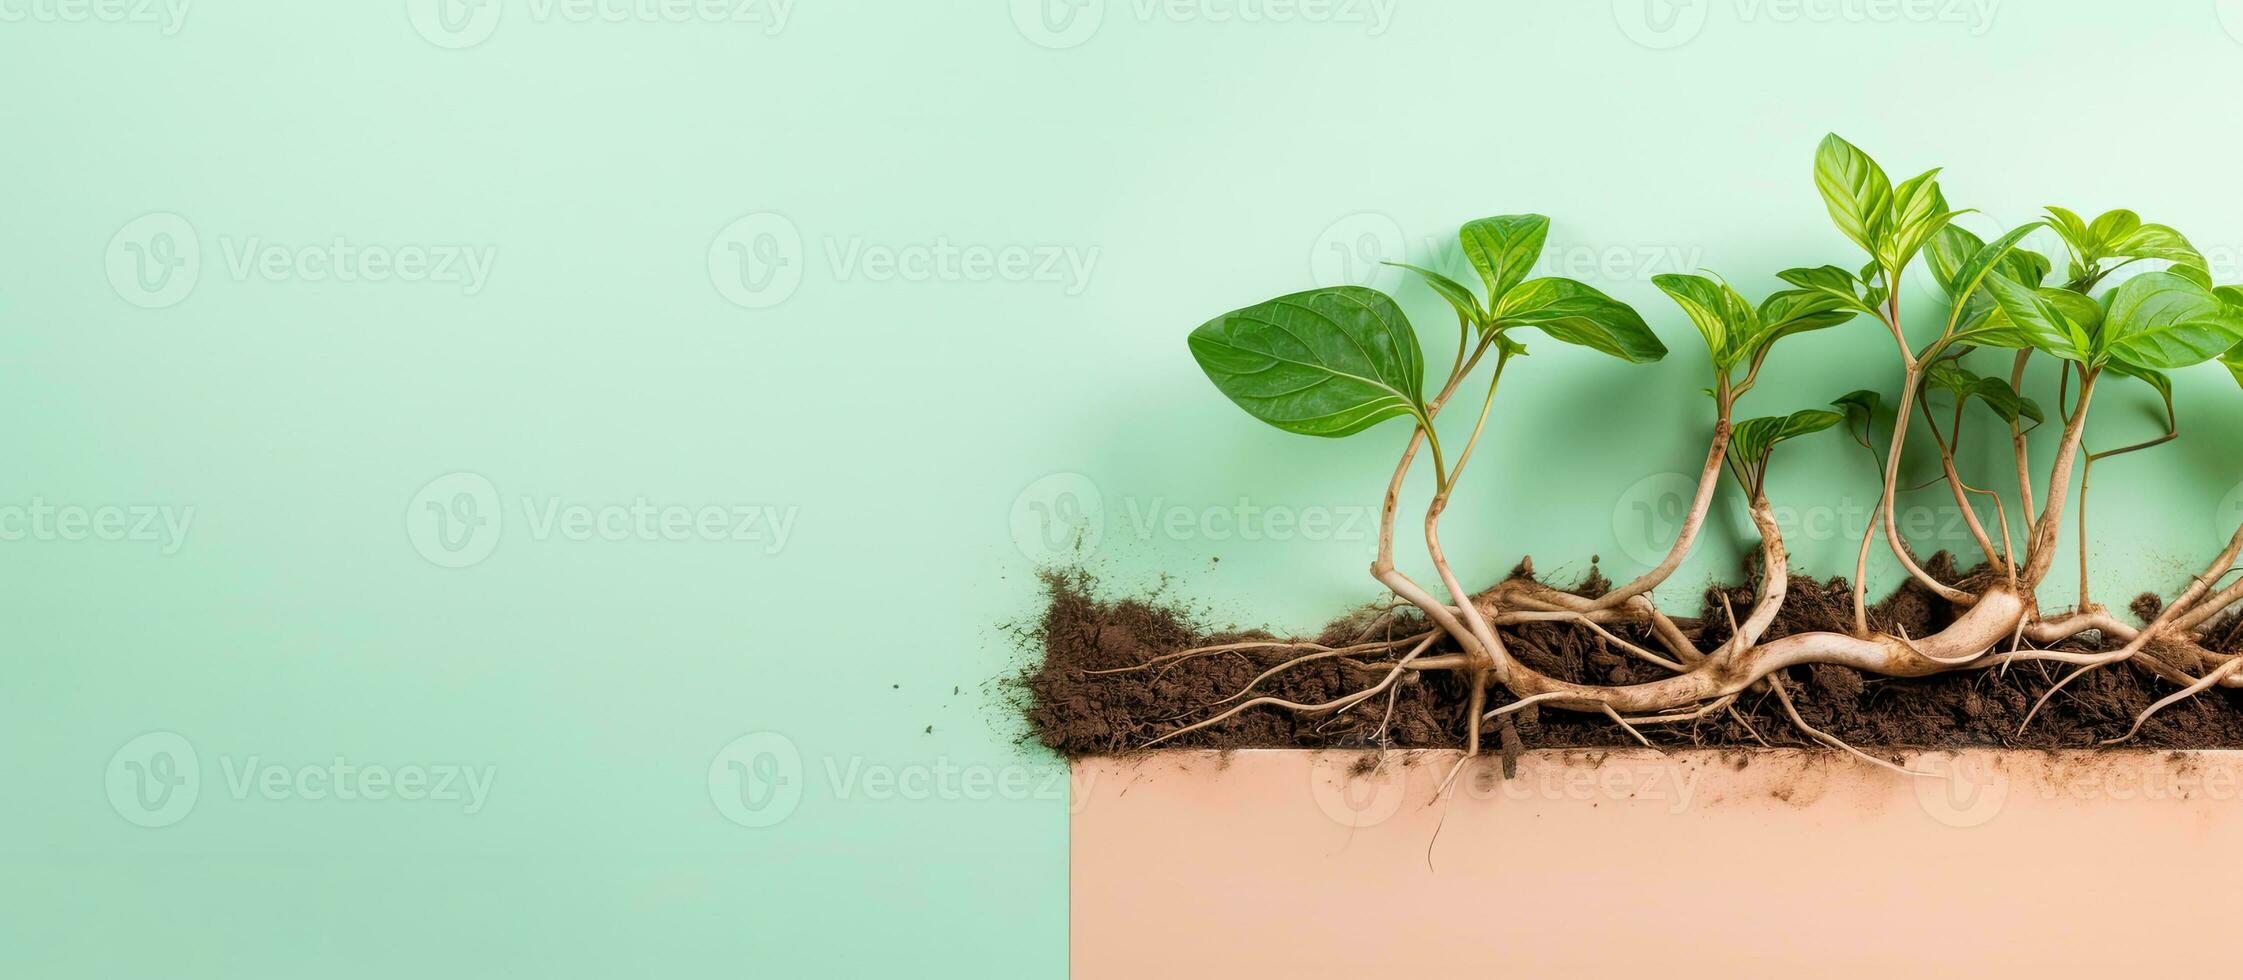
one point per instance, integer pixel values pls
(2006, 402)
(2155, 379)
(1722, 316)
(1966, 384)
(1466, 304)
(2233, 359)
(1953, 246)
(2072, 229)
(1753, 439)
(1831, 281)
(2165, 321)
(1856, 190)
(1979, 267)
(2157, 242)
(1327, 362)
(1503, 248)
(1919, 212)
(1862, 410)
(1796, 311)
(2056, 321)
(1946, 253)
(1578, 314)
(2111, 226)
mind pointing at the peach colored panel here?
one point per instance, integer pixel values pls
(1633, 863)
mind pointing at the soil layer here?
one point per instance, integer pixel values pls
(1078, 713)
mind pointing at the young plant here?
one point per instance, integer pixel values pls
(1338, 361)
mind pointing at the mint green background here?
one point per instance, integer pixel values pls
(1201, 160)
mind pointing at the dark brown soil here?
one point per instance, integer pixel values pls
(1078, 713)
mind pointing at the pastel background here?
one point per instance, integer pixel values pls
(653, 415)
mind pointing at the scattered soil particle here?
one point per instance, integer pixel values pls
(1078, 712)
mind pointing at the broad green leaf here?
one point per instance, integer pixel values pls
(1948, 376)
(1856, 190)
(1503, 248)
(2006, 402)
(1946, 252)
(1965, 384)
(2072, 229)
(2233, 359)
(2155, 379)
(2111, 226)
(2157, 242)
(1832, 281)
(2164, 321)
(1953, 246)
(1919, 212)
(1578, 314)
(1974, 271)
(1722, 316)
(1327, 362)
(1862, 409)
(2056, 321)
(1466, 304)
(1796, 311)
(1753, 439)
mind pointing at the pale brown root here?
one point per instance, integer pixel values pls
(1336, 704)
(1309, 658)
(1739, 716)
(1776, 683)
(1623, 723)
(1520, 704)
(1708, 480)
(1681, 716)
(2190, 691)
(1591, 622)
(1319, 648)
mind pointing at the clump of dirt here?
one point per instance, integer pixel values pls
(1081, 701)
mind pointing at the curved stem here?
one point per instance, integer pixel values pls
(2019, 446)
(2040, 549)
(1709, 479)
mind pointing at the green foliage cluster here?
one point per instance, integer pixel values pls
(1335, 361)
